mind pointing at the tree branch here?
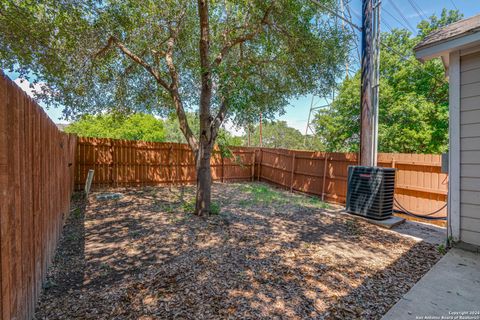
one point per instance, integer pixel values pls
(171, 88)
(246, 37)
(113, 41)
(180, 111)
(220, 117)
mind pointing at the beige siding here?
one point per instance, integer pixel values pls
(470, 148)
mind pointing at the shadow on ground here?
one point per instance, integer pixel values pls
(277, 255)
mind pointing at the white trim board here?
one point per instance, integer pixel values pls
(443, 48)
(454, 146)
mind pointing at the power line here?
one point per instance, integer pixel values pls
(402, 16)
(395, 18)
(417, 9)
(453, 3)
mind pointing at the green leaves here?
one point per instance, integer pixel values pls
(413, 114)
(64, 44)
(133, 127)
(277, 134)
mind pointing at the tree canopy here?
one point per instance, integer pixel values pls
(139, 126)
(126, 54)
(226, 59)
(276, 134)
(413, 102)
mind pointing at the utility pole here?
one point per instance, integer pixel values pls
(369, 87)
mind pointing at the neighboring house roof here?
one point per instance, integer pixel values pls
(455, 36)
(454, 30)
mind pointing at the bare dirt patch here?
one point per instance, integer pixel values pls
(267, 254)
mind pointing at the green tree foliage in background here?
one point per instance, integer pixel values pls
(226, 59)
(138, 126)
(276, 134)
(173, 133)
(413, 114)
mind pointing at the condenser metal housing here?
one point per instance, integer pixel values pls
(370, 191)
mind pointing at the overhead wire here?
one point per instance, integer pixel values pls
(396, 19)
(453, 3)
(417, 9)
(402, 15)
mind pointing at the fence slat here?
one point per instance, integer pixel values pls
(36, 184)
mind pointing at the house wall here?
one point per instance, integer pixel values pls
(470, 148)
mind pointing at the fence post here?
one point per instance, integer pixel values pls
(111, 165)
(293, 172)
(253, 165)
(223, 168)
(324, 175)
(260, 165)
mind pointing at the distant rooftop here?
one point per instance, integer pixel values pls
(455, 30)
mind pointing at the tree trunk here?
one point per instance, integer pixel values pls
(204, 180)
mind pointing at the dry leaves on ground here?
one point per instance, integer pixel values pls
(268, 254)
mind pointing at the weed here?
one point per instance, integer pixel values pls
(214, 208)
(441, 249)
(77, 213)
(188, 206)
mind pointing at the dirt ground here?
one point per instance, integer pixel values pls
(267, 254)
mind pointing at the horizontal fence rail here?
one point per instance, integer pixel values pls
(420, 187)
(36, 183)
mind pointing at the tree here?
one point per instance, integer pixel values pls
(227, 59)
(138, 126)
(413, 104)
(276, 134)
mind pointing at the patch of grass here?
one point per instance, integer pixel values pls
(189, 207)
(314, 202)
(263, 194)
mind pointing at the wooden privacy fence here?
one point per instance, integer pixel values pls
(420, 186)
(36, 182)
(123, 162)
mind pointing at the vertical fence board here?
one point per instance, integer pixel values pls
(420, 186)
(36, 183)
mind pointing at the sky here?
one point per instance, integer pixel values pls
(394, 14)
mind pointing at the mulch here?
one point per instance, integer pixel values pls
(144, 257)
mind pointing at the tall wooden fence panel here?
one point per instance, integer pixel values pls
(122, 162)
(420, 185)
(36, 182)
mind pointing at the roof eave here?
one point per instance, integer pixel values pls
(443, 48)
